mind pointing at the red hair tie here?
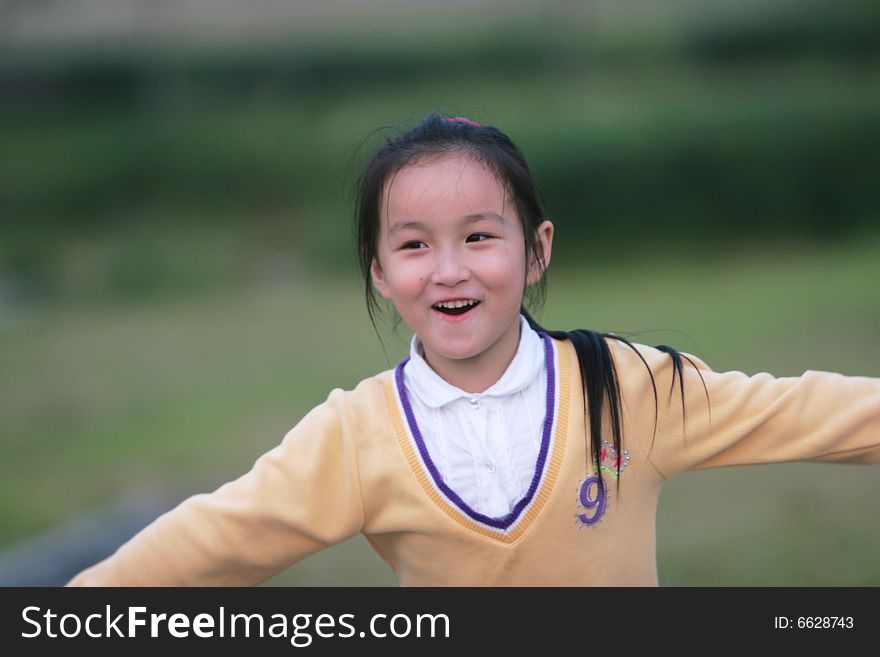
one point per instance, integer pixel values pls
(461, 119)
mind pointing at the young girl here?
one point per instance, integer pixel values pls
(498, 453)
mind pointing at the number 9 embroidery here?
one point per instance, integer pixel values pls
(593, 499)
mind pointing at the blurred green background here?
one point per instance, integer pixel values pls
(177, 270)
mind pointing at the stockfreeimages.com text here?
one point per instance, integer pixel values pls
(300, 629)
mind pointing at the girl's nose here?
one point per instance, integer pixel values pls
(450, 269)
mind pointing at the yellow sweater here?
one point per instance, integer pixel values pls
(355, 464)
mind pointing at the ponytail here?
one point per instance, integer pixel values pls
(600, 382)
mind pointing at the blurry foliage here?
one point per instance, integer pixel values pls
(739, 129)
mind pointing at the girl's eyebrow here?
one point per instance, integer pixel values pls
(469, 219)
(405, 225)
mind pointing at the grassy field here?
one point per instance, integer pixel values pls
(184, 392)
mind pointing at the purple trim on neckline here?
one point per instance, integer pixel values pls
(505, 521)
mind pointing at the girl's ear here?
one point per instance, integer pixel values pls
(378, 277)
(544, 233)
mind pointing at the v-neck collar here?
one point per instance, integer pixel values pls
(510, 527)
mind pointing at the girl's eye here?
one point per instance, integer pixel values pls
(477, 237)
(415, 244)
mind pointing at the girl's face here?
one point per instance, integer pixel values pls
(451, 257)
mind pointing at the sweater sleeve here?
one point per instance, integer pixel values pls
(301, 496)
(737, 419)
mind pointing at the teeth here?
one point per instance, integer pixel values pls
(455, 304)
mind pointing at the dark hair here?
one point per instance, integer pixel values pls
(442, 135)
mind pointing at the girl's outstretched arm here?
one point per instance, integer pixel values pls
(301, 496)
(731, 418)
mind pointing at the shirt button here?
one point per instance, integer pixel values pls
(490, 468)
(474, 402)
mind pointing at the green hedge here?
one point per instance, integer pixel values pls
(759, 128)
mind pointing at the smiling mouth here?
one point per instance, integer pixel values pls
(455, 307)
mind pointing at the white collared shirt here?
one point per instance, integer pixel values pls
(484, 445)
